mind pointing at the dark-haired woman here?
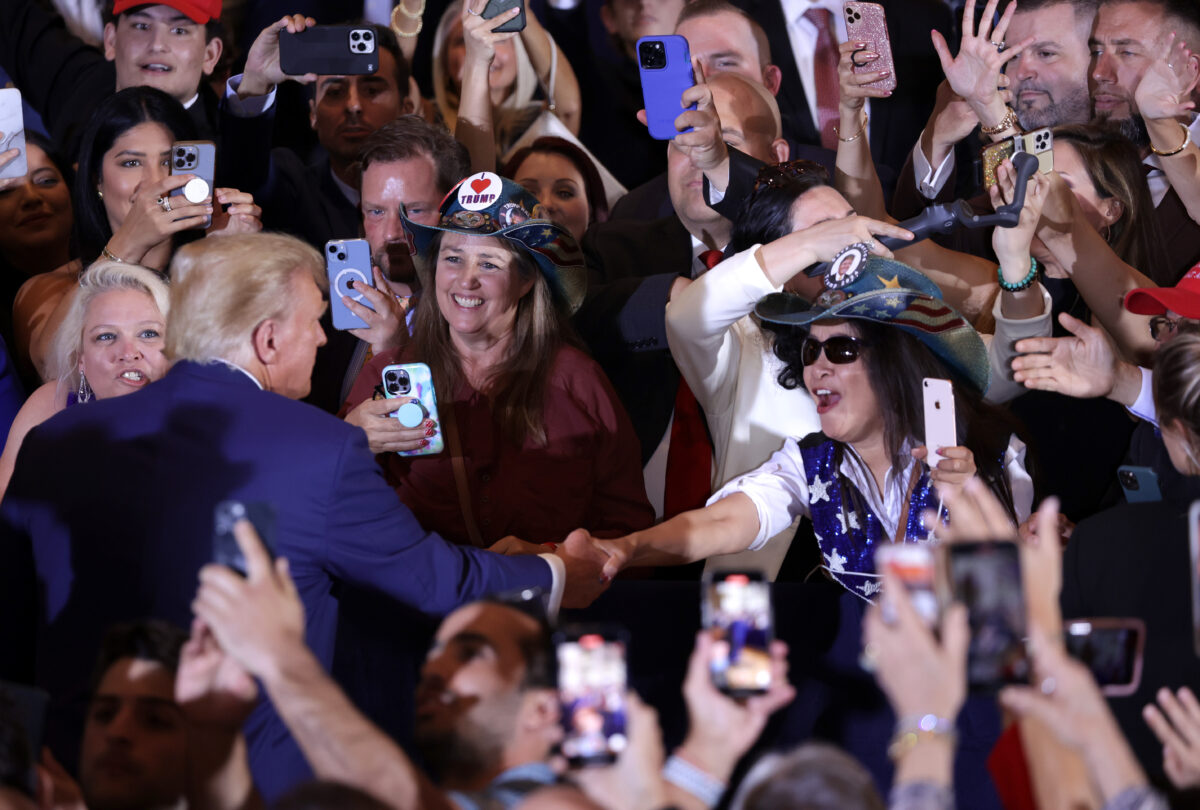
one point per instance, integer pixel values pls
(124, 210)
(565, 181)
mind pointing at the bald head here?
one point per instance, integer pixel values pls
(750, 119)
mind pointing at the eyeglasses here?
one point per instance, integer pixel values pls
(777, 175)
(839, 349)
(1160, 322)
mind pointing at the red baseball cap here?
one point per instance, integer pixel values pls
(1183, 298)
(200, 11)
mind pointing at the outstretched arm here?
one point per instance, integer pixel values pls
(1163, 98)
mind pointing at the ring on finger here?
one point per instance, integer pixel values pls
(164, 204)
(999, 46)
(869, 658)
(473, 11)
(1048, 685)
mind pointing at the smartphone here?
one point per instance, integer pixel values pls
(1140, 484)
(1111, 649)
(736, 612)
(1039, 143)
(495, 8)
(416, 381)
(940, 426)
(1194, 544)
(665, 67)
(591, 690)
(329, 50)
(986, 577)
(27, 706)
(12, 132)
(348, 261)
(225, 548)
(865, 22)
(198, 158)
(914, 564)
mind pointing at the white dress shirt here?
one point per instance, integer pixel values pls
(802, 35)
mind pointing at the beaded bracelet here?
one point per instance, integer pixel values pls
(1023, 284)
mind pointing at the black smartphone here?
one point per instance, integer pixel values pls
(591, 691)
(495, 8)
(225, 548)
(26, 706)
(736, 611)
(1111, 649)
(986, 577)
(329, 50)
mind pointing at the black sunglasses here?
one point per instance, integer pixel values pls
(839, 349)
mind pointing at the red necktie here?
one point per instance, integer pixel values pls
(689, 456)
(825, 75)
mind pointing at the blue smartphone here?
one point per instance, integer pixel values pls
(346, 261)
(416, 381)
(1140, 484)
(665, 67)
(198, 158)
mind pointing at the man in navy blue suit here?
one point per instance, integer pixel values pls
(110, 511)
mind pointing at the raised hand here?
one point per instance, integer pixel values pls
(974, 73)
(1166, 87)
(387, 327)
(635, 781)
(704, 145)
(852, 85)
(149, 223)
(1083, 365)
(236, 213)
(479, 34)
(262, 61)
(213, 689)
(384, 432)
(1176, 723)
(955, 466)
(1012, 244)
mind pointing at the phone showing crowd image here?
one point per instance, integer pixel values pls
(226, 550)
(986, 578)
(1111, 649)
(592, 680)
(736, 612)
(12, 132)
(348, 265)
(941, 430)
(665, 68)
(198, 158)
(414, 380)
(865, 22)
(916, 568)
(495, 8)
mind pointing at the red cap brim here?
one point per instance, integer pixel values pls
(1157, 300)
(200, 11)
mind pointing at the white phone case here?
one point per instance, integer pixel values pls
(940, 429)
(12, 132)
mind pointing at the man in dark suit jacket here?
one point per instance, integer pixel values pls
(65, 79)
(895, 122)
(78, 554)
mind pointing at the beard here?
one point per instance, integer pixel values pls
(471, 747)
(1074, 107)
(1132, 128)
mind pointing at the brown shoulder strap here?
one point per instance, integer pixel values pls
(454, 444)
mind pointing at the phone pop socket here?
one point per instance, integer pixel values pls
(411, 414)
(196, 190)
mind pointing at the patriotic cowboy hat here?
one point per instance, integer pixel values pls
(490, 205)
(894, 294)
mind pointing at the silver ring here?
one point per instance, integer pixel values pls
(870, 243)
(472, 11)
(1000, 46)
(868, 659)
(1170, 66)
(1048, 685)
(164, 204)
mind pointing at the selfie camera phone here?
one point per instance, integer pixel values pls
(198, 158)
(329, 50)
(865, 22)
(12, 132)
(416, 381)
(986, 577)
(348, 261)
(1111, 649)
(940, 427)
(736, 612)
(591, 690)
(915, 566)
(1140, 484)
(495, 8)
(225, 548)
(665, 67)
(1039, 143)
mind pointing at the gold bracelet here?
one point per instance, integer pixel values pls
(1187, 139)
(108, 254)
(396, 25)
(1009, 121)
(856, 135)
(415, 15)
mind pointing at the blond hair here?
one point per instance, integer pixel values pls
(223, 288)
(100, 277)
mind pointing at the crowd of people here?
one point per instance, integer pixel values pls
(350, 545)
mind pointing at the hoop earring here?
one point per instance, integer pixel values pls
(84, 394)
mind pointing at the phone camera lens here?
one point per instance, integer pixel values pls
(179, 164)
(180, 152)
(341, 257)
(366, 36)
(653, 55)
(333, 248)
(354, 36)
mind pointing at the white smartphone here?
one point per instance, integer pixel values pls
(12, 132)
(940, 430)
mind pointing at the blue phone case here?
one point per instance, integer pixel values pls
(662, 87)
(1140, 484)
(347, 260)
(414, 380)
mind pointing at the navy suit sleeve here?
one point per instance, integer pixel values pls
(12, 393)
(374, 541)
(18, 605)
